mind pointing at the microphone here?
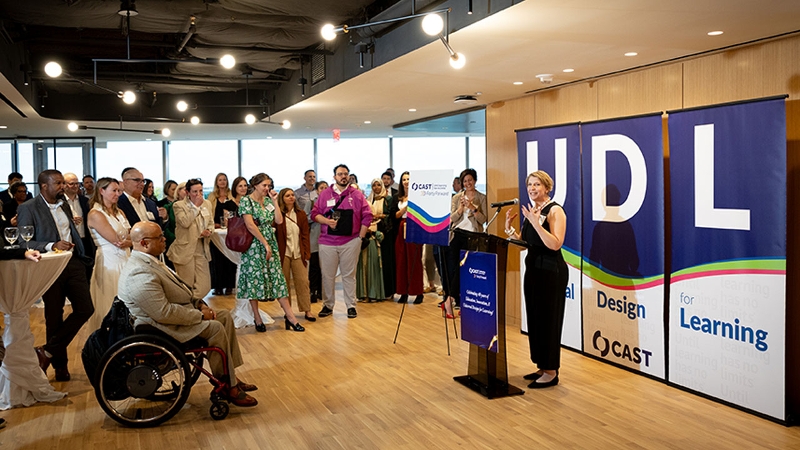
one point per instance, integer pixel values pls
(505, 203)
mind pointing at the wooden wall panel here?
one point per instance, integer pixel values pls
(642, 92)
(569, 104)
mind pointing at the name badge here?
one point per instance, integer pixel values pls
(150, 216)
(331, 202)
(270, 207)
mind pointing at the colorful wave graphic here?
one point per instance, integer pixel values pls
(571, 257)
(772, 266)
(426, 221)
(613, 281)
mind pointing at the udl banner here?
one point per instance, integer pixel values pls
(428, 218)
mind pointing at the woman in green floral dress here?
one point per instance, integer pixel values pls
(260, 274)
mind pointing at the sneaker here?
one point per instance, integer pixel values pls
(325, 311)
(351, 313)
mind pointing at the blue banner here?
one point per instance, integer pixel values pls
(623, 242)
(479, 299)
(728, 282)
(557, 151)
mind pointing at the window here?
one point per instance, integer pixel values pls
(66, 158)
(477, 161)
(429, 153)
(204, 160)
(367, 158)
(146, 156)
(285, 160)
(6, 163)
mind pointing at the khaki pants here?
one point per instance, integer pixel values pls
(345, 258)
(222, 333)
(196, 273)
(295, 269)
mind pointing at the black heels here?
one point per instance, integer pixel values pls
(418, 299)
(260, 327)
(403, 299)
(293, 326)
(310, 318)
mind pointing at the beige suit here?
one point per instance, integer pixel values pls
(156, 296)
(190, 252)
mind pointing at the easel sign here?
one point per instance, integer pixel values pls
(479, 299)
(428, 219)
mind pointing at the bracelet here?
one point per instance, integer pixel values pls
(510, 231)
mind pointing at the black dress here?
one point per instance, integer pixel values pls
(223, 271)
(545, 287)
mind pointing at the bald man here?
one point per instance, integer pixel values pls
(80, 210)
(156, 296)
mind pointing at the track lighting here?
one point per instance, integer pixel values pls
(250, 119)
(52, 69)
(182, 106)
(72, 126)
(227, 61)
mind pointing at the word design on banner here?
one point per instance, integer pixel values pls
(428, 218)
(728, 285)
(623, 242)
(479, 299)
(557, 151)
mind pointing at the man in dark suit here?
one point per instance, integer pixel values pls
(136, 206)
(6, 196)
(80, 211)
(53, 228)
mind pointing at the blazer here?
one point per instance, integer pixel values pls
(36, 212)
(130, 213)
(305, 239)
(188, 225)
(156, 296)
(477, 219)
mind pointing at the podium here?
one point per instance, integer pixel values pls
(487, 371)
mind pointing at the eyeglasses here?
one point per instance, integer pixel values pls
(342, 174)
(135, 180)
(73, 183)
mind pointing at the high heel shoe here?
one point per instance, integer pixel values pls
(446, 314)
(310, 318)
(260, 327)
(293, 326)
(418, 299)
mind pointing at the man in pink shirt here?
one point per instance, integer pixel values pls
(344, 215)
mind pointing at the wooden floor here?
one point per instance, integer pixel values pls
(343, 384)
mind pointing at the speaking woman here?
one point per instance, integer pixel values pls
(546, 277)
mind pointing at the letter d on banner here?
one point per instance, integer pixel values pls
(601, 145)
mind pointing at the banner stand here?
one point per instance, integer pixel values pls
(487, 371)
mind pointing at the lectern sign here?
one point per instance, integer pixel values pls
(479, 299)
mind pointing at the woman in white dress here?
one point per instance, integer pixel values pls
(109, 229)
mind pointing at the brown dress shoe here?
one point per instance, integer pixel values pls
(44, 361)
(62, 374)
(246, 386)
(239, 398)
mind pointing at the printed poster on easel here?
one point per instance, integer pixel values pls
(428, 218)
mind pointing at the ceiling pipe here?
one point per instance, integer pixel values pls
(189, 34)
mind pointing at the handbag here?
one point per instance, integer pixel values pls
(238, 238)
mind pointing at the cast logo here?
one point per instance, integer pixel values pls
(620, 350)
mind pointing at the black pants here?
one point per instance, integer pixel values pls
(71, 283)
(452, 255)
(314, 277)
(223, 271)
(545, 299)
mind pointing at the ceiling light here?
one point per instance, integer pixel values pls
(269, 137)
(250, 119)
(3, 127)
(714, 33)
(545, 78)
(412, 109)
(328, 32)
(227, 61)
(129, 97)
(148, 139)
(631, 54)
(286, 124)
(568, 70)
(457, 61)
(72, 126)
(182, 106)
(432, 24)
(165, 132)
(195, 120)
(128, 8)
(52, 69)
(367, 122)
(517, 83)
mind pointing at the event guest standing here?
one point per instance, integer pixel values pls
(223, 271)
(260, 274)
(54, 230)
(370, 273)
(109, 229)
(294, 249)
(306, 196)
(169, 193)
(194, 224)
(19, 195)
(149, 190)
(408, 255)
(546, 277)
(314, 271)
(467, 212)
(169, 229)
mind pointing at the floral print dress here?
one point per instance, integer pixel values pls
(259, 277)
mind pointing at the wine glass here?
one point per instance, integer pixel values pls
(225, 216)
(122, 234)
(26, 232)
(335, 215)
(12, 233)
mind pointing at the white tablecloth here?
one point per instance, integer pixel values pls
(22, 282)
(242, 313)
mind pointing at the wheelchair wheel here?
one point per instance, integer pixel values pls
(142, 381)
(219, 410)
(194, 372)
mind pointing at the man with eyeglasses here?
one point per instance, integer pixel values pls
(344, 215)
(54, 230)
(5, 196)
(80, 209)
(136, 206)
(156, 296)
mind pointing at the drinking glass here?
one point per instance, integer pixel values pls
(335, 215)
(122, 234)
(12, 233)
(26, 232)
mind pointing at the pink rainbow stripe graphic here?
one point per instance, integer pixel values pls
(428, 228)
(711, 273)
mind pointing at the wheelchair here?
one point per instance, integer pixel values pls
(144, 380)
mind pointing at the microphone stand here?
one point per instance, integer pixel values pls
(496, 213)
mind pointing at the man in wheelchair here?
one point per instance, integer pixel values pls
(156, 296)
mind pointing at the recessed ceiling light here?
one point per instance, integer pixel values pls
(390, 135)
(148, 139)
(412, 109)
(568, 70)
(631, 54)
(714, 33)
(367, 122)
(41, 140)
(517, 83)
(3, 127)
(269, 137)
